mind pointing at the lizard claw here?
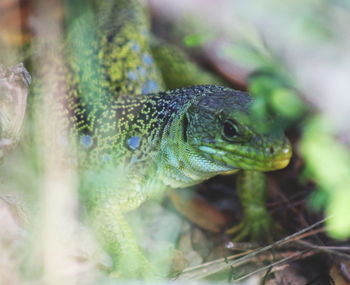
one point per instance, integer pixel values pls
(260, 229)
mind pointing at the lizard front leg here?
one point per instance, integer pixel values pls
(119, 241)
(257, 222)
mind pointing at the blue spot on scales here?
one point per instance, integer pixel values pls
(149, 87)
(134, 142)
(147, 59)
(86, 141)
(135, 47)
(132, 75)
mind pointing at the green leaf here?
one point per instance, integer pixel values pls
(287, 103)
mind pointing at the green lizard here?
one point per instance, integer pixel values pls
(135, 142)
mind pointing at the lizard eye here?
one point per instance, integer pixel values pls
(230, 129)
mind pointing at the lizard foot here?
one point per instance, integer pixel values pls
(257, 229)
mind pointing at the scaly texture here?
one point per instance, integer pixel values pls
(135, 142)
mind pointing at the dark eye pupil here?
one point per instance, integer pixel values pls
(229, 130)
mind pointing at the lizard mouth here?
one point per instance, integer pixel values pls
(259, 165)
(266, 158)
(280, 163)
(258, 160)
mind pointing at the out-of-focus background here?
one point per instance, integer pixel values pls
(293, 56)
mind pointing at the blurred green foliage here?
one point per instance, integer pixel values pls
(272, 86)
(256, 56)
(328, 163)
(275, 97)
(194, 40)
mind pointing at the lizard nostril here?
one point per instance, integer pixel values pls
(272, 150)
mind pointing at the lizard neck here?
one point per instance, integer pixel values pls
(179, 164)
(187, 169)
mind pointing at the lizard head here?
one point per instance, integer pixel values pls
(218, 134)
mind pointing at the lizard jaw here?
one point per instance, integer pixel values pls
(267, 158)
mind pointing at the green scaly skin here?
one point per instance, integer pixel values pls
(177, 68)
(135, 142)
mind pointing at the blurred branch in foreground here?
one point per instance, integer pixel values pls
(14, 84)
